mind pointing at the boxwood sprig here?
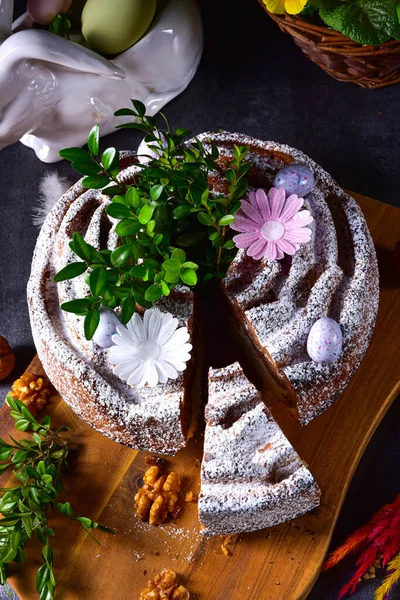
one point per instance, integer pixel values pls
(37, 465)
(171, 228)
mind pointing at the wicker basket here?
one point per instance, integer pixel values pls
(345, 60)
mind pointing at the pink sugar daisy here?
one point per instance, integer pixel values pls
(272, 224)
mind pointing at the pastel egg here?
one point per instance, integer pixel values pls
(295, 179)
(44, 12)
(324, 343)
(110, 27)
(106, 328)
(146, 154)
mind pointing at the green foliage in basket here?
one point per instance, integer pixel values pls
(364, 21)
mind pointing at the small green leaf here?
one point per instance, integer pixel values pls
(128, 308)
(98, 281)
(179, 254)
(116, 210)
(120, 255)
(22, 424)
(139, 107)
(42, 577)
(132, 197)
(226, 220)
(70, 271)
(229, 245)
(151, 225)
(172, 265)
(91, 323)
(153, 293)
(124, 112)
(189, 276)
(145, 214)
(230, 175)
(165, 289)
(85, 168)
(82, 248)
(128, 227)
(5, 453)
(190, 265)
(156, 191)
(80, 306)
(85, 521)
(72, 154)
(108, 157)
(93, 139)
(95, 182)
(204, 218)
(182, 211)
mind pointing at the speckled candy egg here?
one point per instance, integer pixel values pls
(324, 343)
(106, 328)
(295, 179)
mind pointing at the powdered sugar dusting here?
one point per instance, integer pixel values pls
(251, 476)
(334, 275)
(151, 419)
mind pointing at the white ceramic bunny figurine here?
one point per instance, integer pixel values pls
(52, 91)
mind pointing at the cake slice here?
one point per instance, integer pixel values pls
(251, 477)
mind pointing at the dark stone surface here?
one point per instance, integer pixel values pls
(252, 79)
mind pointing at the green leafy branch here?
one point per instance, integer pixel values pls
(171, 228)
(37, 465)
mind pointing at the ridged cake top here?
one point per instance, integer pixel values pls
(83, 210)
(334, 275)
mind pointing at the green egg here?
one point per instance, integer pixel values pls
(112, 26)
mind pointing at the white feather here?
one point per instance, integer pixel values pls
(51, 188)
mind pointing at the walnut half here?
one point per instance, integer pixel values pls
(158, 496)
(164, 587)
(33, 390)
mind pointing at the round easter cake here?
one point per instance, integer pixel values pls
(299, 299)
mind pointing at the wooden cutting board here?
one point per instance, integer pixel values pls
(281, 563)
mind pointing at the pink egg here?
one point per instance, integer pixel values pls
(43, 12)
(324, 343)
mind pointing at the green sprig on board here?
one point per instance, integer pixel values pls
(37, 465)
(171, 229)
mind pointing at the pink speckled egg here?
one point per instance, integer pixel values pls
(295, 179)
(324, 343)
(106, 328)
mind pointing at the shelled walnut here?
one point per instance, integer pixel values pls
(33, 390)
(158, 496)
(164, 587)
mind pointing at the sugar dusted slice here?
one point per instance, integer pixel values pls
(251, 477)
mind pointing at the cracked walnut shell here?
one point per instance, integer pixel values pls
(33, 390)
(164, 587)
(158, 496)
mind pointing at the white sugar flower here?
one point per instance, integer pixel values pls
(151, 350)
